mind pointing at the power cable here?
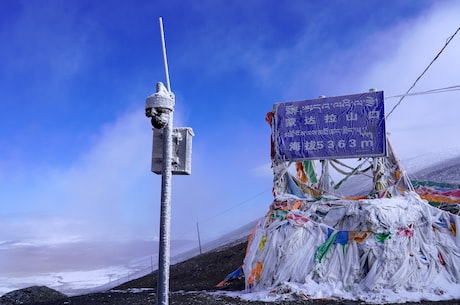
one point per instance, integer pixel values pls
(432, 91)
(426, 69)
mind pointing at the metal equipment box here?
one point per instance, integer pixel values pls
(181, 151)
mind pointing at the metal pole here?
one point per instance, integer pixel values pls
(199, 239)
(165, 217)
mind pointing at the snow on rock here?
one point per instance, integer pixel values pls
(375, 250)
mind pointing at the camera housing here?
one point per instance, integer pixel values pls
(159, 106)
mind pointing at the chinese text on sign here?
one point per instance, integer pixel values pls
(349, 126)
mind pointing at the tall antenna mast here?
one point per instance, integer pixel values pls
(165, 59)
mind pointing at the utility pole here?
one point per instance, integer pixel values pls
(199, 238)
(159, 107)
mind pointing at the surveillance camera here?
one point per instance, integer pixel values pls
(159, 105)
(160, 119)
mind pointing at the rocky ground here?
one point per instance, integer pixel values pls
(191, 282)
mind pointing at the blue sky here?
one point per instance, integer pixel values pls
(75, 145)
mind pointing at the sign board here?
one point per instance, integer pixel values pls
(350, 126)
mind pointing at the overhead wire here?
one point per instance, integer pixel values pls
(432, 91)
(424, 71)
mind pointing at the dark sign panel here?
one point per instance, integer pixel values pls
(350, 126)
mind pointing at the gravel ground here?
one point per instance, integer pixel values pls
(193, 282)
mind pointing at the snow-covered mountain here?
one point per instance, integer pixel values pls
(447, 171)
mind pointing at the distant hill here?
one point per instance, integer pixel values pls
(447, 171)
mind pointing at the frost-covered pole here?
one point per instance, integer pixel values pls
(159, 107)
(165, 220)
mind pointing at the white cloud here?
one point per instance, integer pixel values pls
(428, 122)
(110, 193)
(99, 195)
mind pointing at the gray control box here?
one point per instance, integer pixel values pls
(181, 151)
